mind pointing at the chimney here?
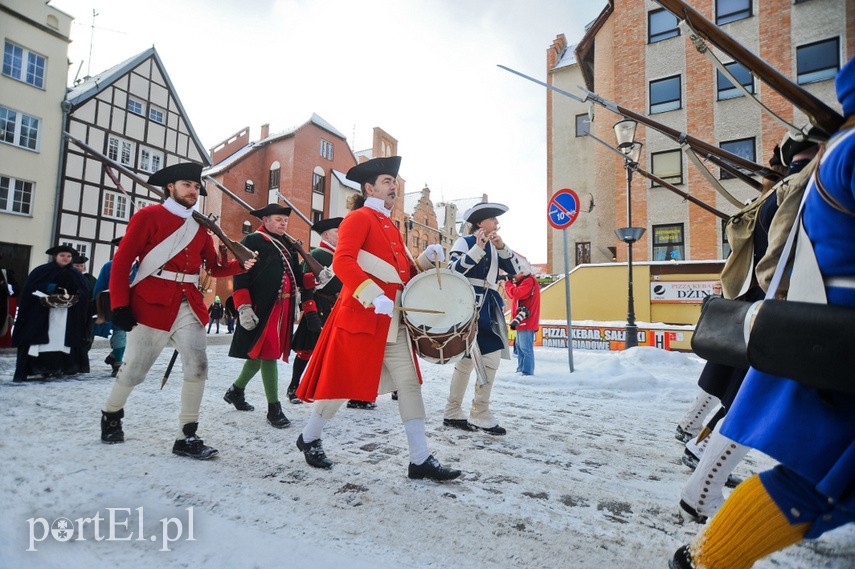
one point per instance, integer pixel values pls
(265, 131)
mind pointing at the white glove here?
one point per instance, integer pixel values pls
(383, 305)
(247, 317)
(434, 253)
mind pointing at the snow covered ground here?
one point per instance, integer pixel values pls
(588, 475)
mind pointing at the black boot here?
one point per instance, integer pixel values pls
(111, 427)
(314, 453)
(299, 367)
(235, 396)
(191, 445)
(276, 417)
(432, 469)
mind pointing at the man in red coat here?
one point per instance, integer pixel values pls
(364, 349)
(163, 301)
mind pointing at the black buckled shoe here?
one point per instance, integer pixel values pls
(292, 397)
(495, 430)
(682, 559)
(191, 445)
(462, 424)
(683, 435)
(314, 453)
(235, 396)
(111, 427)
(356, 404)
(692, 513)
(432, 470)
(276, 417)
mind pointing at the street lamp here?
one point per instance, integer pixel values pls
(631, 150)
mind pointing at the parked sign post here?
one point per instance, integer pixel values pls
(561, 212)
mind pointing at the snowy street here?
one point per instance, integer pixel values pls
(588, 475)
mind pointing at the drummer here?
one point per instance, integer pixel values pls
(479, 256)
(364, 350)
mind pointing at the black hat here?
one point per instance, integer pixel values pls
(326, 224)
(789, 147)
(479, 212)
(776, 156)
(79, 259)
(182, 171)
(271, 209)
(116, 240)
(369, 170)
(61, 249)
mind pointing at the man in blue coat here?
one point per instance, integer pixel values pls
(810, 432)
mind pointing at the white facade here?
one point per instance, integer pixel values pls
(32, 87)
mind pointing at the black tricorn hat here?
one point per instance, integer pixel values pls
(79, 259)
(791, 146)
(182, 171)
(484, 210)
(271, 209)
(326, 224)
(56, 250)
(116, 240)
(369, 170)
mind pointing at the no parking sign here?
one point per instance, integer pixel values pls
(563, 209)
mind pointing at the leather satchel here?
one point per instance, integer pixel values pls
(719, 336)
(810, 343)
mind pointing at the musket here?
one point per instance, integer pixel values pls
(820, 115)
(664, 184)
(240, 252)
(727, 160)
(311, 262)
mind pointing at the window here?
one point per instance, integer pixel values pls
(150, 160)
(667, 165)
(135, 106)
(24, 65)
(661, 25)
(743, 148)
(318, 183)
(273, 182)
(115, 206)
(818, 61)
(16, 196)
(246, 228)
(19, 129)
(665, 94)
(141, 203)
(155, 114)
(326, 149)
(120, 150)
(249, 187)
(727, 11)
(583, 252)
(583, 125)
(79, 246)
(317, 216)
(726, 89)
(668, 242)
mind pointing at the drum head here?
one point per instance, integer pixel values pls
(455, 297)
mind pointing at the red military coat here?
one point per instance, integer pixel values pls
(348, 358)
(154, 301)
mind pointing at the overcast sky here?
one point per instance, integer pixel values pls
(423, 70)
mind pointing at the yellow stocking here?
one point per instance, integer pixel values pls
(748, 527)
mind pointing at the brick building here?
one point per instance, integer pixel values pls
(635, 54)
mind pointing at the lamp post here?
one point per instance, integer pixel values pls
(625, 134)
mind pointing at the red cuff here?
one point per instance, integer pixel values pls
(309, 281)
(309, 306)
(241, 297)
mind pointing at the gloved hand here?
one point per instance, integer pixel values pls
(313, 321)
(383, 305)
(123, 318)
(434, 253)
(247, 317)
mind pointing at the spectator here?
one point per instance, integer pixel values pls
(215, 313)
(524, 290)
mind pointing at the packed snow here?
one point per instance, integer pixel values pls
(588, 475)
